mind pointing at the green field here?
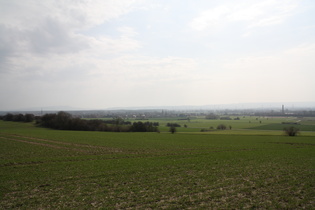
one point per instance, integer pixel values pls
(254, 123)
(240, 168)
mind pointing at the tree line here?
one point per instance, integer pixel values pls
(65, 121)
(174, 125)
(18, 117)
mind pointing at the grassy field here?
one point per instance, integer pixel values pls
(254, 123)
(238, 168)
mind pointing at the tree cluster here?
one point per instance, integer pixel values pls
(291, 131)
(212, 116)
(172, 129)
(173, 125)
(221, 127)
(117, 121)
(225, 118)
(18, 117)
(144, 127)
(64, 121)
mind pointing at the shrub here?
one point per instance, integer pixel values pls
(225, 118)
(291, 131)
(172, 129)
(143, 127)
(212, 116)
(221, 127)
(173, 125)
(18, 117)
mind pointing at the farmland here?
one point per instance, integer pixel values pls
(252, 165)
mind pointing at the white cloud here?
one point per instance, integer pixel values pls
(210, 18)
(253, 13)
(54, 27)
(127, 31)
(282, 76)
(97, 82)
(104, 46)
(100, 53)
(53, 37)
(146, 70)
(73, 14)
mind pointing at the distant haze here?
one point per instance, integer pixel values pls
(242, 106)
(134, 53)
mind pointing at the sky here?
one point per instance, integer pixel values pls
(97, 54)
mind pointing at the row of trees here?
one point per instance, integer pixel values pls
(120, 121)
(212, 116)
(173, 125)
(64, 121)
(144, 127)
(18, 117)
(219, 127)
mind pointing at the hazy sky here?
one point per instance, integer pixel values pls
(95, 54)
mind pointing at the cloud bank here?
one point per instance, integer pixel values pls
(99, 54)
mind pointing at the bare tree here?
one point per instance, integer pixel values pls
(291, 131)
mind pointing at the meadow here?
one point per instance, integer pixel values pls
(249, 166)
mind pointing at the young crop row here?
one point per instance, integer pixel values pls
(44, 169)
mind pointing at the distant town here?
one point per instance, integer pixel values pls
(178, 112)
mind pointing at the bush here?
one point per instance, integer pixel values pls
(212, 116)
(225, 118)
(64, 121)
(29, 118)
(143, 127)
(173, 125)
(221, 127)
(291, 131)
(117, 121)
(172, 129)
(18, 117)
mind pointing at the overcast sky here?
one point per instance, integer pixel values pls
(95, 54)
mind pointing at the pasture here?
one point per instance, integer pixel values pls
(239, 168)
(262, 124)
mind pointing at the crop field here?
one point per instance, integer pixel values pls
(245, 167)
(253, 123)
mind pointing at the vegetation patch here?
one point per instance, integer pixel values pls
(44, 168)
(280, 126)
(291, 131)
(65, 121)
